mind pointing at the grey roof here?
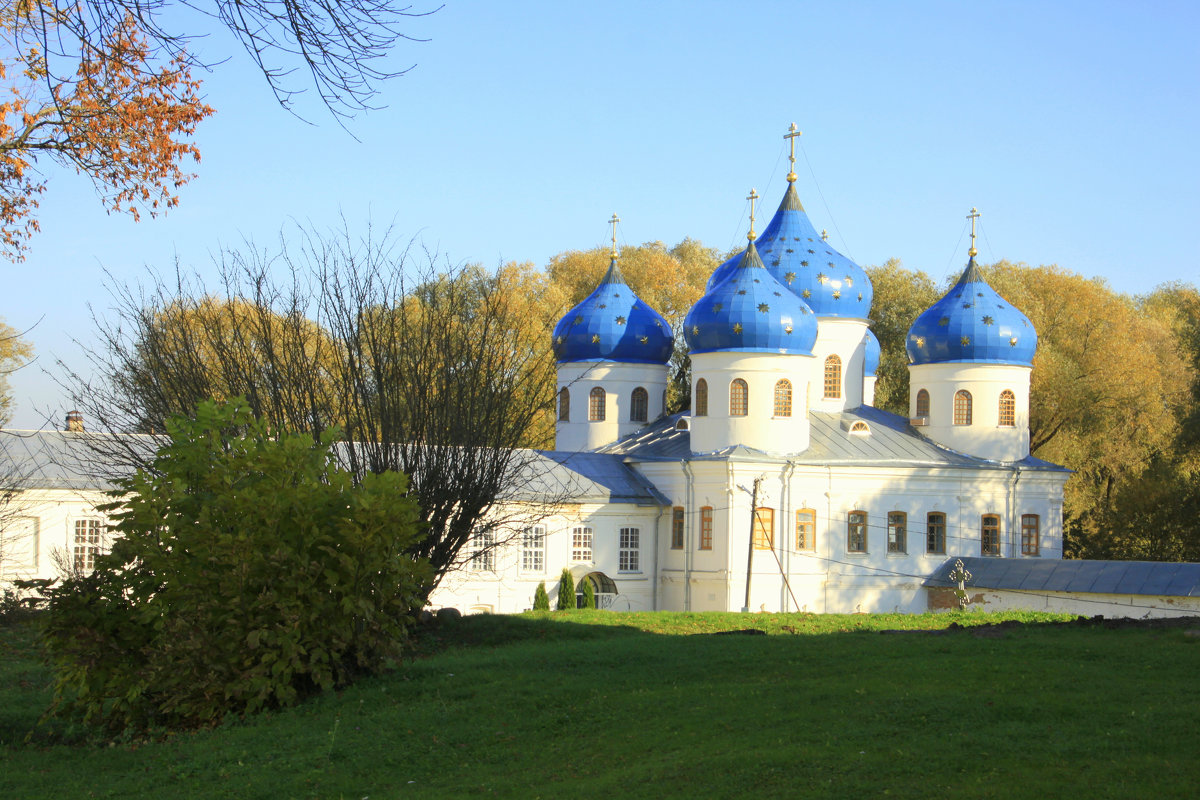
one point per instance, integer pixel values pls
(556, 476)
(52, 459)
(891, 442)
(1095, 577)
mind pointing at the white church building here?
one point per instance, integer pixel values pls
(783, 488)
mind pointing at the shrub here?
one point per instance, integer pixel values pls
(589, 595)
(566, 591)
(249, 571)
(541, 600)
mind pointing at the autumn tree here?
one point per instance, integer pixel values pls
(900, 297)
(430, 370)
(15, 353)
(105, 88)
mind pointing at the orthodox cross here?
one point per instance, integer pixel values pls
(615, 219)
(824, 235)
(752, 197)
(791, 135)
(974, 215)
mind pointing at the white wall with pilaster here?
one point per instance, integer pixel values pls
(760, 428)
(984, 437)
(618, 380)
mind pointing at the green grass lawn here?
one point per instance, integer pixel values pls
(648, 705)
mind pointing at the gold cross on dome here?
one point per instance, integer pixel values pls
(824, 235)
(751, 197)
(615, 219)
(974, 215)
(791, 135)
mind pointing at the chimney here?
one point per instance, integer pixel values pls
(74, 422)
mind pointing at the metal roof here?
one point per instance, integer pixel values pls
(556, 476)
(1093, 577)
(52, 459)
(891, 441)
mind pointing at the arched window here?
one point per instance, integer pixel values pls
(702, 398)
(833, 378)
(922, 404)
(739, 398)
(639, 405)
(962, 407)
(1008, 409)
(596, 405)
(564, 405)
(783, 398)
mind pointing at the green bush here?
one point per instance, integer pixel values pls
(541, 600)
(566, 591)
(248, 571)
(589, 595)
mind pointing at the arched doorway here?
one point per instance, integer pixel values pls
(604, 587)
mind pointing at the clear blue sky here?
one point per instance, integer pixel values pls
(1073, 126)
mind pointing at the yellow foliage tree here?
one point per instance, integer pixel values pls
(15, 352)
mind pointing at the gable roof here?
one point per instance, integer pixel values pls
(1093, 577)
(892, 442)
(51, 459)
(582, 478)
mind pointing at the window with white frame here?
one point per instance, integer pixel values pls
(483, 553)
(533, 549)
(89, 543)
(581, 544)
(629, 555)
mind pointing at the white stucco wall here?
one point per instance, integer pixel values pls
(38, 525)
(759, 428)
(984, 437)
(844, 338)
(618, 382)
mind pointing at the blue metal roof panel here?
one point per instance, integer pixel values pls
(1082, 576)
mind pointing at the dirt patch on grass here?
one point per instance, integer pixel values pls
(996, 630)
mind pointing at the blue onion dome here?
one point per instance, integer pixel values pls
(831, 284)
(750, 310)
(870, 354)
(722, 272)
(972, 323)
(613, 324)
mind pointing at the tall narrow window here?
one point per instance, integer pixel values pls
(922, 403)
(581, 544)
(1008, 409)
(564, 405)
(806, 529)
(89, 535)
(935, 532)
(677, 528)
(639, 405)
(962, 407)
(739, 398)
(533, 549)
(596, 405)
(1029, 534)
(483, 554)
(702, 398)
(629, 554)
(706, 523)
(833, 378)
(856, 532)
(989, 535)
(783, 398)
(897, 532)
(764, 529)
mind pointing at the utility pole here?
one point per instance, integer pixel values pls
(750, 550)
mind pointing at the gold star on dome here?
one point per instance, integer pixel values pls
(965, 341)
(558, 340)
(966, 305)
(837, 294)
(944, 321)
(806, 294)
(695, 330)
(1012, 342)
(620, 320)
(741, 291)
(860, 295)
(919, 341)
(595, 338)
(789, 250)
(822, 278)
(577, 320)
(717, 307)
(812, 251)
(763, 307)
(644, 339)
(737, 327)
(988, 320)
(787, 328)
(849, 281)
(603, 305)
(804, 263)
(789, 277)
